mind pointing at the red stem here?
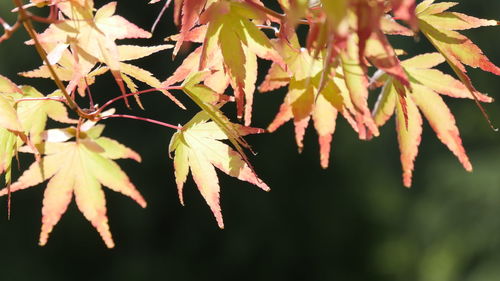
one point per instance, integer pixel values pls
(111, 101)
(142, 119)
(89, 93)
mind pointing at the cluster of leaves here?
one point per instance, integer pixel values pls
(346, 41)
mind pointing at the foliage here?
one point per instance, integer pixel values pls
(346, 54)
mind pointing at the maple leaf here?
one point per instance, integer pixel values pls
(76, 71)
(132, 52)
(440, 27)
(231, 32)
(24, 119)
(198, 148)
(19, 120)
(405, 10)
(391, 27)
(356, 82)
(91, 36)
(217, 79)
(210, 102)
(305, 99)
(33, 114)
(8, 116)
(80, 73)
(426, 85)
(10, 126)
(367, 16)
(353, 50)
(187, 13)
(333, 34)
(370, 40)
(8, 148)
(79, 167)
(68, 67)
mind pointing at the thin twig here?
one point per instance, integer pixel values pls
(89, 93)
(157, 20)
(141, 119)
(111, 101)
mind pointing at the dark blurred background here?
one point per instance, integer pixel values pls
(353, 221)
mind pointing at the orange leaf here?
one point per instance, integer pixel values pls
(79, 168)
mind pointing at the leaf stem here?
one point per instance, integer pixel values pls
(89, 93)
(157, 20)
(111, 101)
(142, 119)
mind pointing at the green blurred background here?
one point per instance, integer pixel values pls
(353, 221)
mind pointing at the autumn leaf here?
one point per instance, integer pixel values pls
(28, 117)
(426, 85)
(92, 37)
(209, 101)
(440, 27)
(70, 69)
(132, 52)
(356, 82)
(370, 40)
(8, 116)
(79, 167)
(10, 126)
(405, 10)
(81, 73)
(216, 78)
(198, 148)
(231, 32)
(187, 13)
(368, 15)
(305, 100)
